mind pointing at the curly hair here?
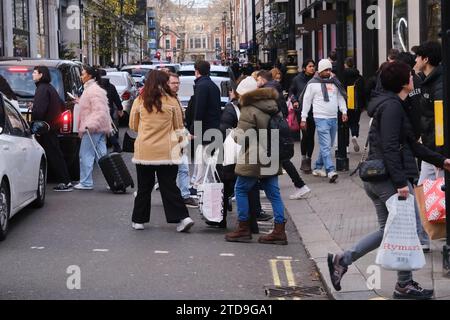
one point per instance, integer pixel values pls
(156, 86)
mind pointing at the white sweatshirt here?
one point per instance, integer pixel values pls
(321, 109)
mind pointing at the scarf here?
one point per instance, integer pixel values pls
(324, 83)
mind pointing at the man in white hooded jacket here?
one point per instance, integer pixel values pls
(327, 96)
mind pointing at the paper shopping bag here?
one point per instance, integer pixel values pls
(434, 231)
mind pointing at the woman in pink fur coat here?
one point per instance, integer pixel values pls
(94, 114)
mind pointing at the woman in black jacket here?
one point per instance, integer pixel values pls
(48, 106)
(391, 139)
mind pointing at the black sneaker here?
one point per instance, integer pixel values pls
(264, 216)
(412, 291)
(62, 187)
(191, 203)
(193, 191)
(336, 270)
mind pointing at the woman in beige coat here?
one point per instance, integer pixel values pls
(156, 117)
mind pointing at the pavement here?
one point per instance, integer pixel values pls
(335, 217)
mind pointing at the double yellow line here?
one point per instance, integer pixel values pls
(276, 274)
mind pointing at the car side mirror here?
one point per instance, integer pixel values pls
(39, 127)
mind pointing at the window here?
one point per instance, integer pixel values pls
(217, 30)
(191, 43)
(434, 25)
(198, 28)
(204, 43)
(42, 19)
(2, 49)
(198, 43)
(400, 38)
(21, 31)
(179, 44)
(217, 43)
(228, 43)
(167, 44)
(16, 125)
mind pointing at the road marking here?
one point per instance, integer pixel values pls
(163, 252)
(37, 248)
(100, 250)
(289, 274)
(284, 258)
(227, 254)
(287, 262)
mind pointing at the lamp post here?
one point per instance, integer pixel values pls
(224, 23)
(292, 62)
(445, 8)
(342, 161)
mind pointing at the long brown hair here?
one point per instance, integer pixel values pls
(156, 86)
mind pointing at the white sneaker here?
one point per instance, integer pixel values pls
(355, 144)
(302, 193)
(185, 225)
(81, 187)
(333, 176)
(319, 173)
(137, 226)
(262, 194)
(156, 187)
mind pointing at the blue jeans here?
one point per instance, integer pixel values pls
(88, 156)
(326, 130)
(183, 177)
(269, 185)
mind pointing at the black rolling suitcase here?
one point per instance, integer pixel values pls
(114, 170)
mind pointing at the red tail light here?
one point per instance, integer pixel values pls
(66, 122)
(18, 69)
(126, 95)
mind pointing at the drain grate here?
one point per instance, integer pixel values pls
(293, 291)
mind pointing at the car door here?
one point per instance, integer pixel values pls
(27, 167)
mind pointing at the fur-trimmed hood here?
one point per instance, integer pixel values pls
(264, 99)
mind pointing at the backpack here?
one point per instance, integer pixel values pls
(285, 142)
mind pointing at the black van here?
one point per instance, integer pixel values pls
(65, 78)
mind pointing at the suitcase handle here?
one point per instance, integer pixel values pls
(92, 142)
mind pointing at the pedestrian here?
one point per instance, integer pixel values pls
(296, 90)
(276, 75)
(229, 121)
(94, 116)
(183, 168)
(352, 77)
(428, 61)
(48, 107)
(302, 190)
(391, 139)
(393, 55)
(332, 57)
(326, 96)
(257, 107)
(157, 118)
(115, 109)
(207, 113)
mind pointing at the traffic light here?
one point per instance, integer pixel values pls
(158, 55)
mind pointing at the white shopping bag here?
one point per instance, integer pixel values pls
(211, 195)
(230, 150)
(400, 249)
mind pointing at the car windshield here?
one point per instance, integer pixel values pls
(188, 73)
(137, 71)
(21, 80)
(116, 80)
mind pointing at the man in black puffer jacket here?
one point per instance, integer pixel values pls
(428, 61)
(48, 106)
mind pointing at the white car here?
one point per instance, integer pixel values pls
(219, 75)
(126, 88)
(23, 165)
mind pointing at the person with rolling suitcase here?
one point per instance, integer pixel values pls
(94, 115)
(157, 118)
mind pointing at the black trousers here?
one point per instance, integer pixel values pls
(293, 174)
(307, 142)
(354, 117)
(173, 203)
(55, 158)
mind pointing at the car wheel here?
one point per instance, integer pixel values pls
(4, 210)
(42, 184)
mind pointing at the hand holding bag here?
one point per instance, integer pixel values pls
(129, 139)
(211, 195)
(400, 249)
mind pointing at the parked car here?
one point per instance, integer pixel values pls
(126, 88)
(222, 76)
(138, 72)
(66, 79)
(23, 165)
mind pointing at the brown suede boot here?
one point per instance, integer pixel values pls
(278, 235)
(241, 234)
(306, 166)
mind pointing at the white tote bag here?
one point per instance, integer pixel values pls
(400, 249)
(231, 149)
(211, 195)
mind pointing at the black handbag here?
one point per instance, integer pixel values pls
(373, 170)
(128, 142)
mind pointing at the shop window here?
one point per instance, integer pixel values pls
(42, 19)
(21, 32)
(433, 19)
(400, 25)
